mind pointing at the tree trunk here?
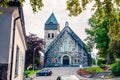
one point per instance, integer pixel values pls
(108, 58)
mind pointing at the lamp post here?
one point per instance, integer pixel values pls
(34, 57)
(96, 60)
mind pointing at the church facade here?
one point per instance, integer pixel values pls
(63, 48)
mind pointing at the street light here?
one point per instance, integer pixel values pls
(34, 57)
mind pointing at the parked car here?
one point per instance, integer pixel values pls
(44, 72)
(67, 77)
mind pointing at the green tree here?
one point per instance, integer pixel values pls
(97, 34)
(105, 32)
(89, 43)
(34, 45)
(35, 4)
(75, 7)
(114, 34)
(108, 12)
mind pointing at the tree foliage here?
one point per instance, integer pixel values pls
(35, 4)
(75, 7)
(97, 34)
(105, 32)
(89, 41)
(34, 45)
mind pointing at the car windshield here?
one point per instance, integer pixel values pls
(70, 77)
(45, 70)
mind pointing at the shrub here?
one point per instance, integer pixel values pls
(116, 69)
(83, 73)
(101, 61)
(93, 61)
(92, 70)
(105, 67)
(102, 66)
(89, 72)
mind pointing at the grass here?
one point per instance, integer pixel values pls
(30, 72)
(93, 70)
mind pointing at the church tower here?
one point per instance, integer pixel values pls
(51, 30)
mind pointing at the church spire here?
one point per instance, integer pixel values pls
(52, 19)
(51, 23)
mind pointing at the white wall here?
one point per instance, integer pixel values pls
(6, 35)
(18, 42)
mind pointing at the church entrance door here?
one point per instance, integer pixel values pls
(65, 60)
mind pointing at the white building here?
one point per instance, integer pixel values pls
(12, 43)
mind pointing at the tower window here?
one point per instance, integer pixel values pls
(48, 35)
(52, 35)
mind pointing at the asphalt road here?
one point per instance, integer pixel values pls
(57, 71)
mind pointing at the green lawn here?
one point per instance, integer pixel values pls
(30, 72)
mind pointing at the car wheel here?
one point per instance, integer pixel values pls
(45, 74)
(36, 75)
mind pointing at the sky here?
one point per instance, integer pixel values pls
(34, 22)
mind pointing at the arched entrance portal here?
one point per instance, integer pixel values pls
(65, 60)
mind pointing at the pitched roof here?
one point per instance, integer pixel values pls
(71, 33)
(52, 19)
(51, 23)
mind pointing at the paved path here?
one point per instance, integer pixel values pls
(57, 71)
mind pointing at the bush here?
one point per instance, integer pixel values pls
(93, 61)
(101, 61)
(116, 69)
(89, 72)
(92, 70)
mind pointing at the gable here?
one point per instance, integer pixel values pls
(66, 43)
(70, 35)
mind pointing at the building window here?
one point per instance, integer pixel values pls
(48, 35)
(54, 60)
(52, 35)
(77, 60)
(17, 61)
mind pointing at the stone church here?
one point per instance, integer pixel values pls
(63, 48)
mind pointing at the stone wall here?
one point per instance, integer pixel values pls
(3, 71)
(66, 45)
